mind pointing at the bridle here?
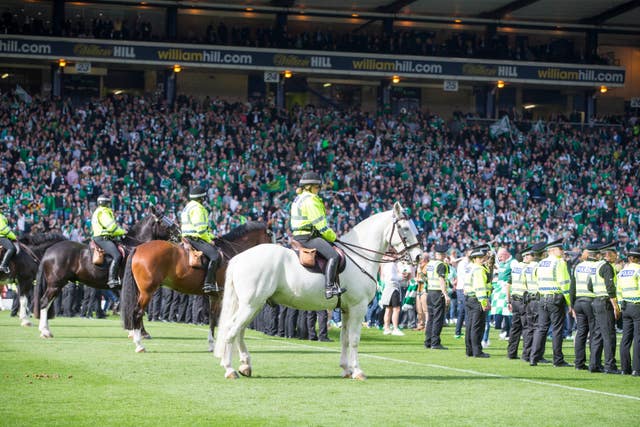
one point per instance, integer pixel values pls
(386, 257)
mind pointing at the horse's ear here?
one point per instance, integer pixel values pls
(153, 209)
(397, 210)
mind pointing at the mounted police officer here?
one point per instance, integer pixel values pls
(7, 239)
(310, 228)
(195, 228)
(105, 230)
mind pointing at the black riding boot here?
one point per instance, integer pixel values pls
(114, 280)
(210, 285)
(331, 287)
(4, 266)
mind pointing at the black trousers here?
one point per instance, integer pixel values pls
(322, 317)
(630, 335)
(551, 312)
(584, 324)
(109, 247)
(167, 303)
(476, 318)
(154, 308)
(436, 308)
(604, 337)
(518, 325)
(322, 246)
(528, 332)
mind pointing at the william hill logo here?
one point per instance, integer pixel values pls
(91, 50)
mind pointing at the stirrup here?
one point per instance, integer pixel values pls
(210, 288)
(113, 283)
(5, 269)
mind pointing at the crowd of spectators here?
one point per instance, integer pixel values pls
(422, 42)
(459, 184)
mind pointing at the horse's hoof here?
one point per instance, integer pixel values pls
(211, 348)
(346, 374)
(46, 334)
(245, 370)
(233, 375)
(146, 336)
(360, 376)
(130, 335)
(140, 349)
(26, 323)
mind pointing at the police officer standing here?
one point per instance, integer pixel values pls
(605, 310)
(7, 239)
(532, 302)
(629, 295)
(437, 298)
(553, 285)
(582, 296)
(195, 228)
(105, 230)
(477, 293)
(516, 294)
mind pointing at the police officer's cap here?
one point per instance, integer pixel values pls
(442, 249)
(197, 192)
(593, 247)
(555, 244)
(609, 246)
(538, 247)
(634, 252)
(102, 199)
(310, 178)
(479, 251)
(526, 251)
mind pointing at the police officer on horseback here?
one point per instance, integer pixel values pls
(195, 228)
(310, 228)
(105, 230)
(7, 239)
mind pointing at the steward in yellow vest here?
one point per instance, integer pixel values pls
(437, 298)
(477, 302)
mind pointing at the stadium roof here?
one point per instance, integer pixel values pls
(606, 14)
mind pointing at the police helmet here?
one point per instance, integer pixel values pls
(197, 192)
(310, 178)
(104, 200)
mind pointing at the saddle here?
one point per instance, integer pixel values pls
(196, 257)
(98, 254)
(313, 261)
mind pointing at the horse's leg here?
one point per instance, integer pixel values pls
(50, 294)
(24, 318)
(344, 342)
(354, 324)
(245, 358)
(143, 301)
(235, 334)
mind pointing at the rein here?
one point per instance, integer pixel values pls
(31, 253)
(390, 256)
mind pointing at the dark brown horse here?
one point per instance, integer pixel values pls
(71, 261)
(159, 263)
(24, 266)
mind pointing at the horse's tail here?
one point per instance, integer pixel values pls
(39, 290)
(129, 294)
(229, 309)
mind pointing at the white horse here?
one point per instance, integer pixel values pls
(274, 272)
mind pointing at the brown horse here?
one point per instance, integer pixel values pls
(160, 263)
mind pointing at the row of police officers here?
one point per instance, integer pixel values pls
(596, 296)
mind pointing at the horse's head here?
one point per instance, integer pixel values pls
(404, 235)
(155, 226)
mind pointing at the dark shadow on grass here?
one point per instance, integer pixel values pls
(381, 378)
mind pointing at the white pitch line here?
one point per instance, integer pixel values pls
(465, 371)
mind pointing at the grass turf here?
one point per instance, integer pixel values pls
(89, 374)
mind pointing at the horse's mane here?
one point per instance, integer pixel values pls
(34, 239)
(135, 229)
(243, 229)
